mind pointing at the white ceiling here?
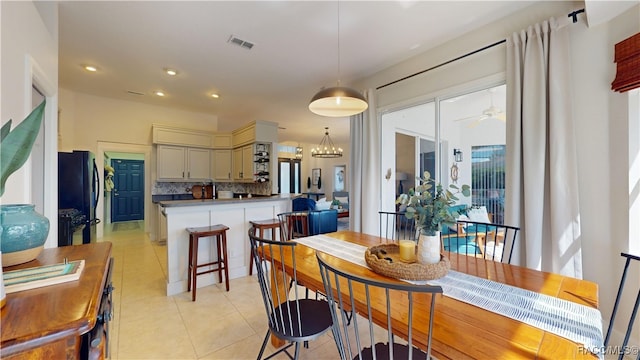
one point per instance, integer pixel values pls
(295, 52)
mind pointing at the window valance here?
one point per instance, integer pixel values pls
(627, 58)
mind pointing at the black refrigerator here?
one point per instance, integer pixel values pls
(79, 188)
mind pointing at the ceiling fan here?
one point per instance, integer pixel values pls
(492, 112)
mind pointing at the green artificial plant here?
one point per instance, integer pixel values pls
(15, 146)
(429, 206)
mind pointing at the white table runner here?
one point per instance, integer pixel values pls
(570, 320)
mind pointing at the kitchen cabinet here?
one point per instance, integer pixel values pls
(177, 163)
(243, 163)
(171, 135)
(222, 167)
(256, 131)
(222, 141)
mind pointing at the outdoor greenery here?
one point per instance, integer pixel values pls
(429, 203)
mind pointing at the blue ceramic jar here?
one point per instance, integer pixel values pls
(23, 235)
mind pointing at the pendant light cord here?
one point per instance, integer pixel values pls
(339, 72)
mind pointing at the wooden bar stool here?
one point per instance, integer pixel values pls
(261, 226)
(221, 265)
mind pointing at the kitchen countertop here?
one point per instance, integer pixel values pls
(197, 202)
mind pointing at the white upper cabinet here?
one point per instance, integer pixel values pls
(177, 163)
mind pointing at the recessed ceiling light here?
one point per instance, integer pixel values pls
(159, 93)
(171, 72)
(90, 68)
(215, 96)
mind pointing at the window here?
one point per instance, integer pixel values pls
(474, 125)
(289, 176)
(462, 140)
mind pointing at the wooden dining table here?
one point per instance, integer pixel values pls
(461, 330)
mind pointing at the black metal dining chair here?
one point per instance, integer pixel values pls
(490, 241)
(377, 340)
(291, 318)
(294, 224)
(634, 312)
(395, 226)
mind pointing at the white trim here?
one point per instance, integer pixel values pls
(633, 245)
(443, 94)
(34, 75)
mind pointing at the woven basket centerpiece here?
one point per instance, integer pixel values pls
(385, 259)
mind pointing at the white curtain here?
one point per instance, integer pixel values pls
(542, 182)
(364, 189)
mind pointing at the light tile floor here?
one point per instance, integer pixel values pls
(147, 324)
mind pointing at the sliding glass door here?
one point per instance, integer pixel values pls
(475, 123)
(459, 139)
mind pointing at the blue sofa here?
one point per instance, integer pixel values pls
(323, 221)
(320, 221)
(303, 204)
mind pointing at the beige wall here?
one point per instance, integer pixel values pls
(86, 119)
(29, 54)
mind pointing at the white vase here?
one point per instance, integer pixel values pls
(428, 248)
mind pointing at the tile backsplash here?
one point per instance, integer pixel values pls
(163, 188)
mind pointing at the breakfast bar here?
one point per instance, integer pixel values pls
(235, 213)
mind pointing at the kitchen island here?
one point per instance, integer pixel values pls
(234, 213)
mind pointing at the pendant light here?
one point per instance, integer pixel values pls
(338, 101)
(326, 148)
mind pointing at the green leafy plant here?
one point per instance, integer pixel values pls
(15, 146)
(429, 204)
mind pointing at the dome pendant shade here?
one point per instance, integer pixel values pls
(338, 102)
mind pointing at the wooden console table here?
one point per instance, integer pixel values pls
(52, 322)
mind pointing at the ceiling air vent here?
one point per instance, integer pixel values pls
(135, 93)
(242, 43)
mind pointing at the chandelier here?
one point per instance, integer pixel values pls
(326, 149)
(338, 101)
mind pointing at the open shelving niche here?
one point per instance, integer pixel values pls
(261, 163)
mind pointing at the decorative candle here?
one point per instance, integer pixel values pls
(407, 250)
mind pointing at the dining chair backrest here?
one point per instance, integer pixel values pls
(396, 226)
(293, 224)
(490, 241)
(291, 317)
(376, 301)
(634, 312)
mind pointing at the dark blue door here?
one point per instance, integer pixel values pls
(127, 196)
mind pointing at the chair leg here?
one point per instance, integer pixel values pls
(194, 269)
(297, 355)
(190, 262)
(226, 261)
(264, 344)
(349, 316)
(219, 250)
(250, 263)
